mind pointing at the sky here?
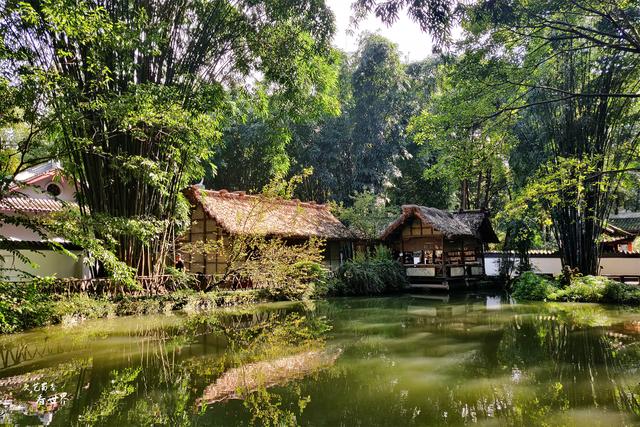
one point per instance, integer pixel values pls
(413, 43)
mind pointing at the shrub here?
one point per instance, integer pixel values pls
(580, 289)
(23, 305)
(80, 307)
(597, 289)
(180, 279)
(281, 271)
(369, 275)
(529, 286)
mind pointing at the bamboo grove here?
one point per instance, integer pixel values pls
(135, 89)
(530, 112)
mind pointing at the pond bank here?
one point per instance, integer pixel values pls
(25, 307)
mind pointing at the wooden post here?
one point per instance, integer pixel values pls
(464, 265)
(444, 259)
(205, 238)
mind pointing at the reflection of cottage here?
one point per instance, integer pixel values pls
(238, 382)
(220, 214)
(38, 191)
(438, 247)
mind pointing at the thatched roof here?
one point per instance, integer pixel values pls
(238, 213)
(479, 224)
(451, 224)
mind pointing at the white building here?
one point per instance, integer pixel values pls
(38, 191)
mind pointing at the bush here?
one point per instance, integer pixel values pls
(369, 275)
(595, 289)
(531, 287)
(23, 305)
(29, 305)
(80, 307)
(299, 283)
(180, 279)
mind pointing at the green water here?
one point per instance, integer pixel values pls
(407, 360)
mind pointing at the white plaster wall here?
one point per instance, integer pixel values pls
(492, 266)
(48, 263)
(546, 265)
(17, 232)
(618, 265)
(39, 189)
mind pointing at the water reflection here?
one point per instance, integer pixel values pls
(415, 360)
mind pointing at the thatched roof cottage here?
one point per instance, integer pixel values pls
(438, 247)
(221, 213)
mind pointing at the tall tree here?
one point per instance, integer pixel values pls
(466, 151)
(135, 89)
(576, 99)
(358, 150)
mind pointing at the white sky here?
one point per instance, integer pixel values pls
(412, 42)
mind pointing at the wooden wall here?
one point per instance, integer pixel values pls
(416, 236)
(336, 252)
(204, 229)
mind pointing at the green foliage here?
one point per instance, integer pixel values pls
(99, 235)
(594, 289)
(181, 279)
(531, 287)
(122, 384)
(23, 305)
(32, 304)
(368, 216)
(80, 307)
(365, 148)
(282, 271)
(133, 96)
(372, 274)
(597, 289)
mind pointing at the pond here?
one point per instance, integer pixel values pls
(405, 360)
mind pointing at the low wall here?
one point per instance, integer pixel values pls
(610, 264)
(47, 263)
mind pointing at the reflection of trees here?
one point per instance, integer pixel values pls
(162, 366)
(523, 365)
(239, 382)
(571, 347)
(173, 366)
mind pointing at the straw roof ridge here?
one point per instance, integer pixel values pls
(239, 213)
(479, 223)
(451, 224)
(443, 221)
(261, 198)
